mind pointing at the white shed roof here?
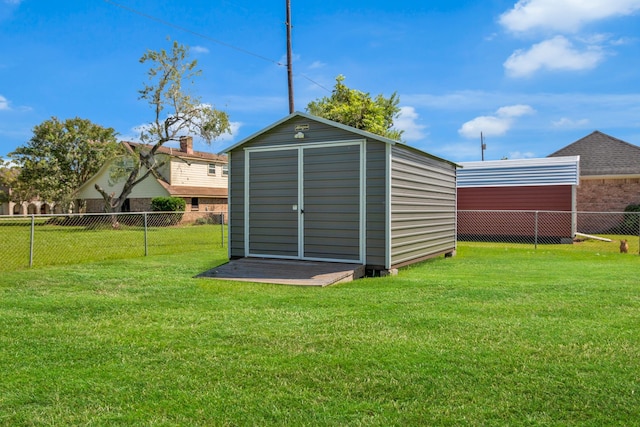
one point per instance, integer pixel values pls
(522, 172)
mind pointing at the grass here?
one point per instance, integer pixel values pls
(499, 335)
(56, 245)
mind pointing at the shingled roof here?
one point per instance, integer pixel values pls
(176, 152)
(603, 155)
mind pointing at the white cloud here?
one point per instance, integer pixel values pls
(453, 101)
(407, 121)
(199, 49)
(557, 53)
(294, 58)
(563, 15)
(487, 125)
(514, 110)
(625, 105)
(622, 41)
(513, 155)
(179, 128)
(565, 122)
(494, 125)
(4, 104)
(229, 137)
(317, 64)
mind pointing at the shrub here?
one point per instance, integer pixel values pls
(631, 219)
(168, 204)
(211, 218)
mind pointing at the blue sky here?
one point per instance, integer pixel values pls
(532, 75)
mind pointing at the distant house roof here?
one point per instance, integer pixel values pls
(187, 191)
(176, 152)
(521, 172)
(603, 155)
(183, 191)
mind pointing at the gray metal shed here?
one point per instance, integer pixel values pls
(312, 189)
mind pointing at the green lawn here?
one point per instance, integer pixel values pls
(56, 245)
(499, 335)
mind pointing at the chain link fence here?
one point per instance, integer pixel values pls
(40, 240)
(551, 227)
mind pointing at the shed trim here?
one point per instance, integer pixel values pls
(300, 203)
(246, 205)
(308, 145)
(229, 210)
(363, 201)
(388, 166)
(360, 132)
(310, 117)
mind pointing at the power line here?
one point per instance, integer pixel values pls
(314, 82)
(220, 42)
(186, 30)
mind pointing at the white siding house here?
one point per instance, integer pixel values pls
(198, 177)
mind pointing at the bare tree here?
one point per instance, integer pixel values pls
(176, 113)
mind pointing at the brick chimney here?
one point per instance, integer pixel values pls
(186, 144)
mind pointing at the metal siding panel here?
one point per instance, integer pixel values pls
(549, 198)
(375, 204)
(526, 172)
(423, 206)
(236, 198)
(501, 199)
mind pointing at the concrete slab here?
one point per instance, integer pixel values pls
(286, 272)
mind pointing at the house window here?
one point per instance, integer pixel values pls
(195, 204)
(225, 170)
(212, 169)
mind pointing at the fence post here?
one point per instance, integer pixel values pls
(31, 240)
(222, 229)
(146, 248)
(536, 231)
(638, 222)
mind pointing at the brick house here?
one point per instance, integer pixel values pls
(609, 177)
(199, 178)
(609, 172)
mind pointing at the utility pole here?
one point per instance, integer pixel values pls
(289, 60)
(483, 146)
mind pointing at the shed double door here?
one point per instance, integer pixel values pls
(305, 202)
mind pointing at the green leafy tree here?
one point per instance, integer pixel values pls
(359, 110)
(175, 113)
(8, 180)
(61, 156)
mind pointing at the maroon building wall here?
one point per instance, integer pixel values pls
(472, 223)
